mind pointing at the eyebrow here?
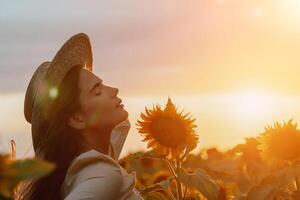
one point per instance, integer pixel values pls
(96, 85)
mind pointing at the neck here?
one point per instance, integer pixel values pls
(98, 140)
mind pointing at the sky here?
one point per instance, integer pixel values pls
(233, 64)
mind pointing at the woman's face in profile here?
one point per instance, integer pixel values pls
(100, 106)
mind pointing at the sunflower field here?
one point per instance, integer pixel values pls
(265, 167)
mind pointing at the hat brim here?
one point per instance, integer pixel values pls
(75, 51)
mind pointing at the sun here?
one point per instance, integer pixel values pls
(289, 11)
(252, 103)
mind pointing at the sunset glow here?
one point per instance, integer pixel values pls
(253, 104)
(199, 99)
(233, 64)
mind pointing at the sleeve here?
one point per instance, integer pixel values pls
(118, 137)
(97, 181)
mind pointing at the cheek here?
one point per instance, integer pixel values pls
(98, 110)
(100, 104)
(104, 105)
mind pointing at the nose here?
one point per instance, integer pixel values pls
(115, 91)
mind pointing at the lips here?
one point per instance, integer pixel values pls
(119, 104)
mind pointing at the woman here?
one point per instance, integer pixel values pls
(79, 124)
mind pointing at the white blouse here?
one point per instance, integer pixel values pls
(96, 176)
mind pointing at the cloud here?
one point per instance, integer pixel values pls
(178, 47)
(125, 36)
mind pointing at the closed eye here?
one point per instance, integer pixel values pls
(97, 85)
(98, 93)
(99, 90)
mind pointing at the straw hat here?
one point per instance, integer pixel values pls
(49, 75)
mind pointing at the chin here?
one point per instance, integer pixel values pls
(124, 114)
(120, 116)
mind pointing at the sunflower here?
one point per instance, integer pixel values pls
(167, 131)
(280, 142)
(249, 150)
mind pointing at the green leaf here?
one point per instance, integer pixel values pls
(156, 195)
(200, 181)
(165, 183)
(271, 184)
(151, 154)
(20, 170)
(286, 174)
(31, 168)
(261, 193)
(161, 187)
(266, 190)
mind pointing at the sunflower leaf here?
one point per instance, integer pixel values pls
(200, 181)
(261, 192)
(31, 168)
(165, 183)
(151, 154)
(159, 189)
(266, 189)
(162, 185)
(21, 170)
(272, 183)
(288, 173)
(158, 195)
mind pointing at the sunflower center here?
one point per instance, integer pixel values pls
(286, 146)
(168, 131)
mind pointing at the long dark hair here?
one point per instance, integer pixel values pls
(57, 142)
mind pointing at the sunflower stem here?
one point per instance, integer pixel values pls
(184, 155)
(178, 183)
(297, 183)
(171, 168)
(184, 194)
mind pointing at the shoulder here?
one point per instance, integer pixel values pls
(91, 164)
(99, 170)
(107, 187)
(93, 174)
